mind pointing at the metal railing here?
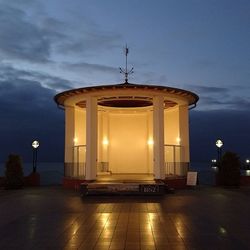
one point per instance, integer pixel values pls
(174, 164)
(176, 168)
(102, 167)
(75, 169)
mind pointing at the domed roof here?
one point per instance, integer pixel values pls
(191, 97)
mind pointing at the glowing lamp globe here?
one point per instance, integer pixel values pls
(219, 143)
(35, 144)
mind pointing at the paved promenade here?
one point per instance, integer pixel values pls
(53, 218)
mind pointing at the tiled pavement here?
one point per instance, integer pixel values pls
(53, 218)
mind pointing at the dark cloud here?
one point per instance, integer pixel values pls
(208, 89)
(28, 112)
(88, 39)
(21, 39)
(240, 103)
(41, 38)
(52, 82)
(22, 2)
(89, 44)
(211, 100)
(9, 73)
(90, 68)
(216, 98)
(228, 103)
(150, 77)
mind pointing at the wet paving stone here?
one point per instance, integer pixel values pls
(55, 218)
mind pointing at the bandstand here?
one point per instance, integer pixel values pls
(126, 130)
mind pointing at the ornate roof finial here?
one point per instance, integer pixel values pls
(125, 71)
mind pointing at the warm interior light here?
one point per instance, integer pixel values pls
(178, 139)
(75, 140)
(150, 141)
(105, 141)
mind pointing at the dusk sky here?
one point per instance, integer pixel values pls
(50, 46)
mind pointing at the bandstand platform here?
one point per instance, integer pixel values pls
(126, 184)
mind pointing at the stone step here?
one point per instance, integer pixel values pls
(124, 188)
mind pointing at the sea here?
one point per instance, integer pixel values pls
(51, 173)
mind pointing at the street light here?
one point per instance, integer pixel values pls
(214, 164)
(219, 144)
(35, 145)
(247, 164)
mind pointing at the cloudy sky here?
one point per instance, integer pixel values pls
(50, 46)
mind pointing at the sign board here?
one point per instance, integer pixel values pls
(192, 178)
(149, 188)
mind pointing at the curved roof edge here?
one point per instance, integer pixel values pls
(61, 97)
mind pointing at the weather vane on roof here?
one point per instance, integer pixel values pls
(125, 71)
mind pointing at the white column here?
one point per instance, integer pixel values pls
(158, 130)
(91, 138)
(69, 140)
(184, 132)
(105, 137)
(150, 140)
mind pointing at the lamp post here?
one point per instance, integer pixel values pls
(213, 162)
(35, 145)
(247, 164)
(219, 144)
